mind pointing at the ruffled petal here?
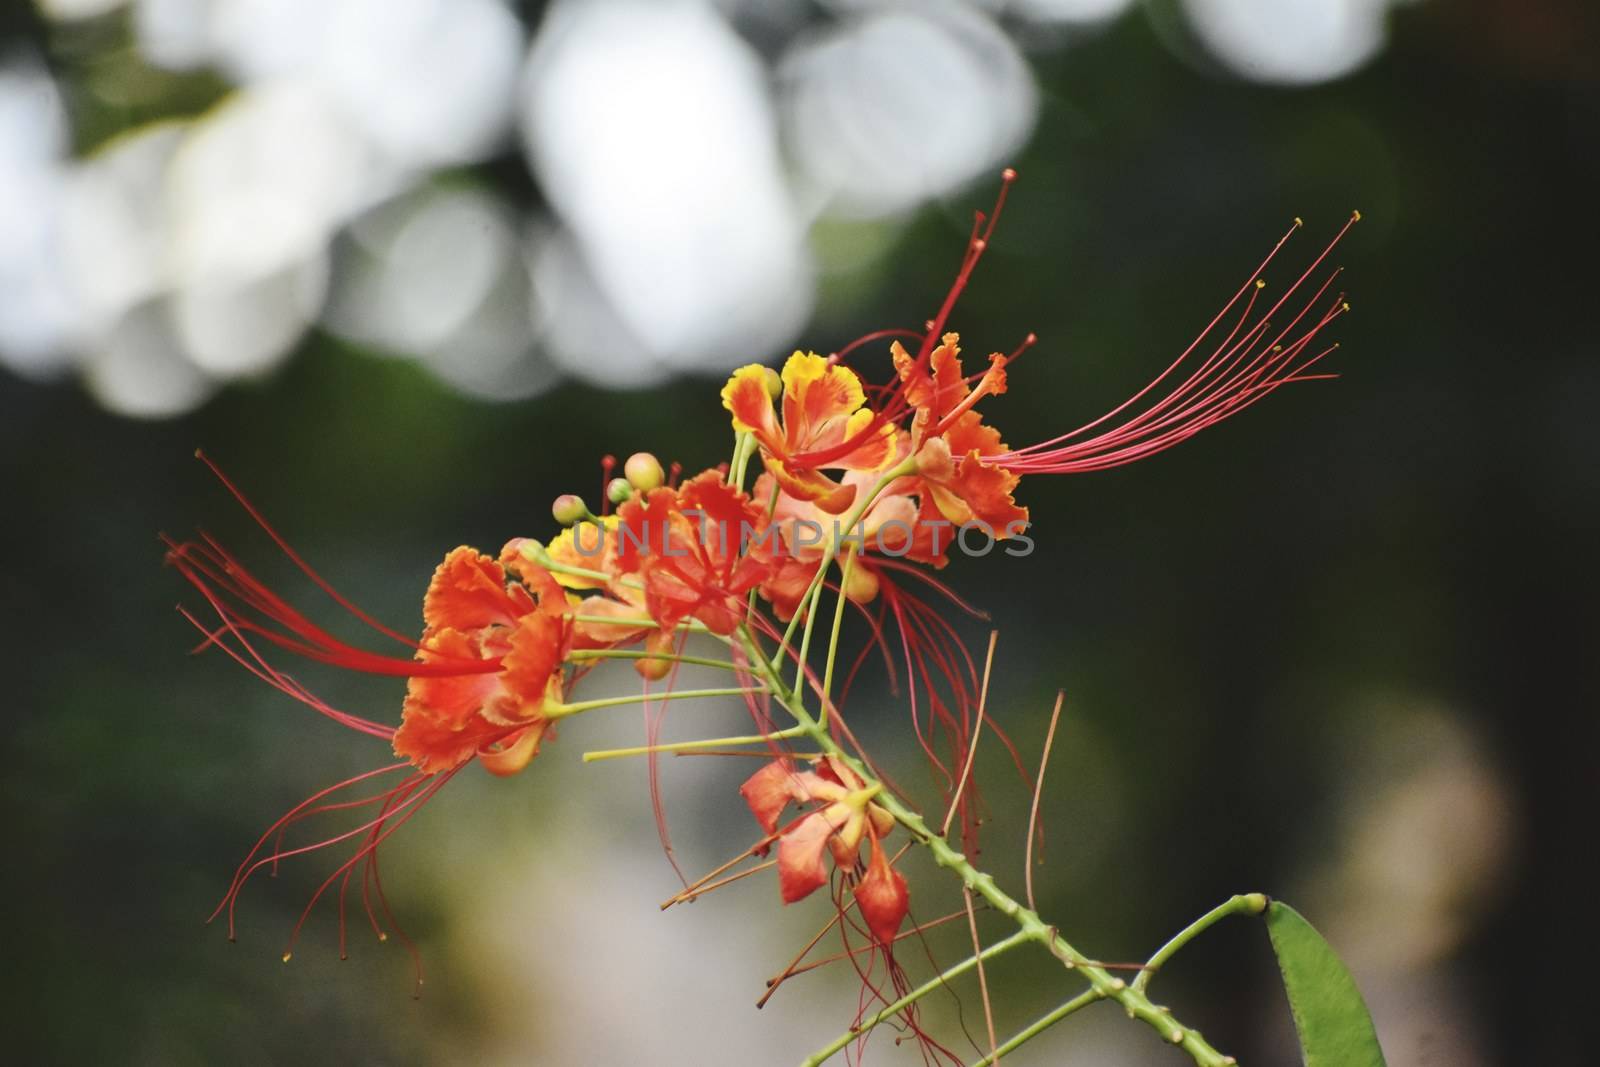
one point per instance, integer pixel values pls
(468, 592)
(450, 698)
(530, 667)
(548, 593)
(435, 744)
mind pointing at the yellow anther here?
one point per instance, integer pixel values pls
(1355, 216)
(1260, 284)
(287, 956)
(1298, 221)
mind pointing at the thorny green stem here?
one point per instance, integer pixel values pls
(1030, 926)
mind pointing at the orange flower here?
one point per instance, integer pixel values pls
(846, 813)
(509, 642)
(889, 527)
(824, 413)
(700, 549)
(954, 449)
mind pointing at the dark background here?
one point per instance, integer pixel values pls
(1362, 617)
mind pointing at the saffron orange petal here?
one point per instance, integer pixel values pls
(800, 866)
(769, 791)
(468, 592)
(882, 897)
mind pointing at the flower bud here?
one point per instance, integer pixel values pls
(569, 508)
(644, 472)
(774, 384)
(653, 668)
(882, 897)
(862, 588)
(618, 490)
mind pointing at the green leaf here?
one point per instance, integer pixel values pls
(1329, 1014)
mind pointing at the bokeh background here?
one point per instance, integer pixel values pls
(408, 268)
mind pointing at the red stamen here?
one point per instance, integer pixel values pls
(1247, 364)
(895, 406)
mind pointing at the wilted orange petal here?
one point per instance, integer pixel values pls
(769, 791)
(800, 866)
(882, 897)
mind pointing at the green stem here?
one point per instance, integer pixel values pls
(560, 711)
(636, 653)
(1040, 1025)
(833, 639)
(1030, 926)
(932, 984)
(743, 447)
(1240, 904)
(690, 746)
(809, 608)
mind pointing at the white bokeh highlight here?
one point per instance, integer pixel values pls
(36, 311)
(650, 130)
(1291, 42)
(699, 162)
(892, 109)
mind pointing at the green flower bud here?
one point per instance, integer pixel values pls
(618, 490)
(774, 384)
(569, 508)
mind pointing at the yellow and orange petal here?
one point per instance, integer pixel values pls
(512, 753)
(941, 388)
(827, 493)
(586, 546)
(966, 489)
(823, 409)
(746, 398)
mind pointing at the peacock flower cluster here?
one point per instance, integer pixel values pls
(873, 476)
